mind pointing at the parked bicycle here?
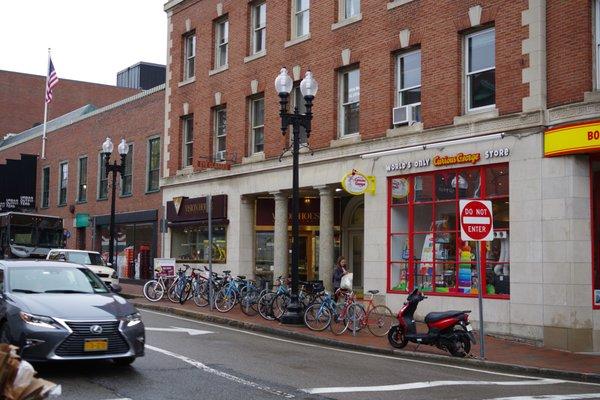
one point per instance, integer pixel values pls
(378, 319)
(155, 289)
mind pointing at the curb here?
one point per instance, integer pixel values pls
(439, 359)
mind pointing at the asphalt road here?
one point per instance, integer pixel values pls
(209, 361)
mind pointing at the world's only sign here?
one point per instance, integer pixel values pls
(476, 220)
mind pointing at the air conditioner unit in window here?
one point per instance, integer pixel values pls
(220, 156)
(404, 115)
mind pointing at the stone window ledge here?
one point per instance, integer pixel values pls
(346, 140)
(417, 127)
(187, 81)
(255, 56)
(218, 70)
(397, 3)
(297, 40)
(591, 97)
(256, 157)
(476, 116)
(346, 22)
(186, 170)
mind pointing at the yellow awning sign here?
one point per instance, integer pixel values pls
(357, 183)
(572, 139)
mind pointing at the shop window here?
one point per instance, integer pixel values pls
(134, 246)
(264, 251)
(424, 233)
(595, 176)
(480, 68)
(191, 243)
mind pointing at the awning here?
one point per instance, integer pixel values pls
(204, 222)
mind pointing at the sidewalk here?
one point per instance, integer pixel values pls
(501, 354)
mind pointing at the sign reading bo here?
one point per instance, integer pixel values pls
(476, 221)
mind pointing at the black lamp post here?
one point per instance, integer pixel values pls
(107, 148)
(308, 87)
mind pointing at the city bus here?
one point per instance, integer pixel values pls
(25, 235)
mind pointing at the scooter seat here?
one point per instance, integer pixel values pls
(436, 316)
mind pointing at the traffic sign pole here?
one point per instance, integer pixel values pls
(480, 295)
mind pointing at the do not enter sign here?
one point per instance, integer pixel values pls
(476, 220)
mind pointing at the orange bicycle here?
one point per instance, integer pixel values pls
(377, 318)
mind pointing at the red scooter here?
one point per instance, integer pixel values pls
(448, 330)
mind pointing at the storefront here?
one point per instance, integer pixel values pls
(135, 242)
(188, 223)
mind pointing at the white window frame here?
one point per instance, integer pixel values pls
(130, 157)
(468, 73)
(296, 14)
(60, 181)
(258, 28)
(399, 90)
(101, 171)
(254, 127)
(79, 176)
(187, 150)
(341, 109)
(189, 58)
(344, 12)
(45, 204)
(149, 161)
(221, 42)
(217, 111)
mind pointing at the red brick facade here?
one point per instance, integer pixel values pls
(22, 99)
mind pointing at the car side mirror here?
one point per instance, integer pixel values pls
(116, 288)
(109, 264)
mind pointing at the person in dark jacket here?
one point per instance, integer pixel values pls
(339, 270)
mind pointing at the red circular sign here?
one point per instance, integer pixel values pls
(476, 220)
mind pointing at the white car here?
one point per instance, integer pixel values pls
(91, 259)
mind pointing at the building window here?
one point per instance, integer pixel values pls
(153, 164)
(408, 82)
(350, 101)
(187, 133)
(259, 27)
(300, 18)
(45, 187)
(481, 69)
(63, 183)
(257, 124)
(127, 175)
(189, 55)
(82, 178)
(220, 133)
(102, 178)
(298, 101)
(425, 249)
(221, 42)
(349, 8)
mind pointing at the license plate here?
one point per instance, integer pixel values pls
(95, 345)
(469, 328)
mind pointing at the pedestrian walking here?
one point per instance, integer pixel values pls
(339, 270)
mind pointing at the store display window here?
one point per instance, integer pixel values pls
(425, 249)
(595, 177)
(191, 243)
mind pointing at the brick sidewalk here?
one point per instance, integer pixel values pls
(500, 351)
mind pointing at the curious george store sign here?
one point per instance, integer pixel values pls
(443, 161)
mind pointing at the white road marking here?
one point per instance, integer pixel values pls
(553, 397)
(430, 384)
(191, 332)
(397, 358)
(476, 220)
(221, 374)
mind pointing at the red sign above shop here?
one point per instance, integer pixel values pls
(476, 220)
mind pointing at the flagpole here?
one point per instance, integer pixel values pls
(45, 109)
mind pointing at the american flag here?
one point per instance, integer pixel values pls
(51, 81)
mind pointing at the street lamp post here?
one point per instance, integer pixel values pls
(107, 148)
(308, 87)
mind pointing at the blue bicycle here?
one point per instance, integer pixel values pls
(228, 295)
(318, 316)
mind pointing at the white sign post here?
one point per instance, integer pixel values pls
(477, 224)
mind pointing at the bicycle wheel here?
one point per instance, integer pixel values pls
(317, 318)
(249, 302)
(154, 290)
(225, 300)
(185, 292)
(380, 320)
(265, 306)
(339, 320)
(172, 292)
(356, 317)
(201, 294)
(280, 303)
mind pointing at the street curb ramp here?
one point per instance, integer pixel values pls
(417, 356)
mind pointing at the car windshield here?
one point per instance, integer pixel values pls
(52, 279)
(85, 258)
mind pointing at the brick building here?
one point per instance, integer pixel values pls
(72, 183)
(432, 103)
(22, 99)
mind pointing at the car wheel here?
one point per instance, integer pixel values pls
(123, 362)
(4, 335)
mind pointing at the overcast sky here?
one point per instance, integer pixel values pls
(90, 40)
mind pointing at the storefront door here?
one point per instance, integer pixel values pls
(355, 255)
(306, 267)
